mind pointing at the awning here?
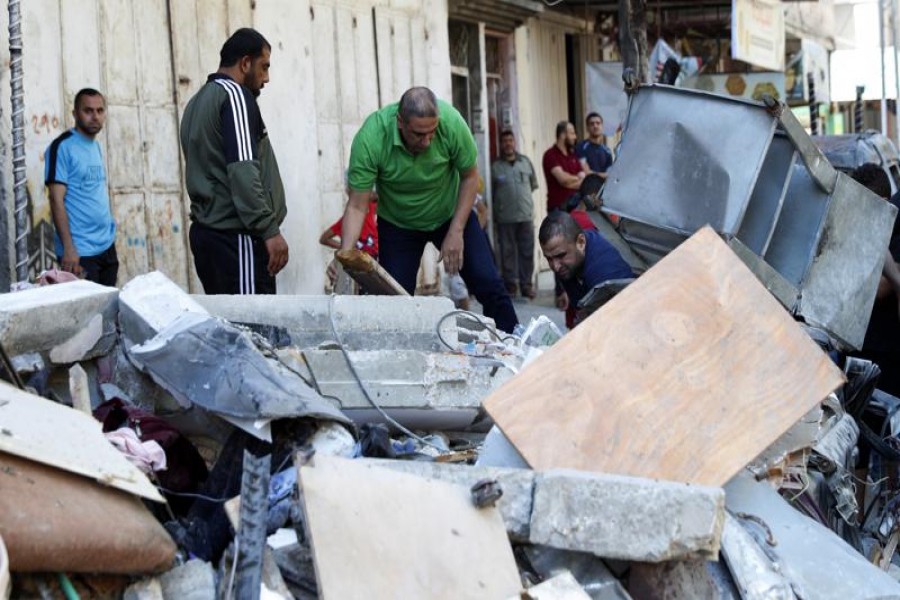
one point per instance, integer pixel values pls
(498, 15)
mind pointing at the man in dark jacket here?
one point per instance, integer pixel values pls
(237, 198)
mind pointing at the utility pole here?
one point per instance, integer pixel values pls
(633, 36)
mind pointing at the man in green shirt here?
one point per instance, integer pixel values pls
(421, 156)
(512, 182)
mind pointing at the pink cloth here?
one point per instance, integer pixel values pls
(146, 456)
(54, 275)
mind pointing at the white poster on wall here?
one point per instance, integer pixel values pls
(606, 94)
(757, 33)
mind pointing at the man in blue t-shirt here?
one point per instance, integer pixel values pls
(75, 177)
(595, 157)
(580, 259)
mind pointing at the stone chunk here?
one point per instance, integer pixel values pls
(194, 580)
(627, 518)
(42, 318)
(559, 587)
(517, 484)
(151, 302)
(145, 589)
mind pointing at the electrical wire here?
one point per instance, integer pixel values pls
(362, 386)
(477, 318)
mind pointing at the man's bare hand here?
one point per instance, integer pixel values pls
(277, 248)
(562, 301)
(71, 262)
(452, 251)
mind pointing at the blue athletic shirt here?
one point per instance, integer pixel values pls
(602, 262)
(75, 160)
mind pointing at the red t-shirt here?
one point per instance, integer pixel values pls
(556, 193)
(368, 235)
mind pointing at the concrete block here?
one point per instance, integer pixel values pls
(194, 580)
(362, 322)
(79, 346)
(42, 318)
(517, 484)
(755, 575)
(148, 303)
(627, 518)
(681, 579)
(145, 589)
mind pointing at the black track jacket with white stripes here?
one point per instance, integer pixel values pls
(230, 169)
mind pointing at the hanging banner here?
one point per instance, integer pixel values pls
(757, 33)
(606, 94)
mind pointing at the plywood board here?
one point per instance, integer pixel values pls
(62, 437)
(380, 534)
(687, 375)
(369, 274)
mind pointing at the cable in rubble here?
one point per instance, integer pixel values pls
(362, 386)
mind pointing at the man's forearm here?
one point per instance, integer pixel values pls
(468, 187)
(60, 216)
(354, 216)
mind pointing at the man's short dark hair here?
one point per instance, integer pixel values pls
(590, 185)
(873, 177)
(419, 102)
(561, 128)
(591, 115)
(559, 223)
(507, 133)
(86, 92)
(243, 42)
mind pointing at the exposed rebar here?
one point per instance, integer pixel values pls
(20, 194)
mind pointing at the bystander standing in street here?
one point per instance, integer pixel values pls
(513, 181)
(595, 157)
(562, 168)
(75, 176)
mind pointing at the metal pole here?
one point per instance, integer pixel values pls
(18, 135)
(884, 123)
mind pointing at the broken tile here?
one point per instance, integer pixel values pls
(666, 371)
(376, 533)
(42, 318)
(627, 518)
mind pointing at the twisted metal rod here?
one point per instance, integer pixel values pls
(18, 134)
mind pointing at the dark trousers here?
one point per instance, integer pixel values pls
(400, 252)
(230, 263)
(102, 268)
(517, 253)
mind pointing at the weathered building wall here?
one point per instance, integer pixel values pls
(333, 62)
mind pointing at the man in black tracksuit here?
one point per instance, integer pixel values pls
(237, 198)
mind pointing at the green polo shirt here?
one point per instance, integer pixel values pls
(416, 192)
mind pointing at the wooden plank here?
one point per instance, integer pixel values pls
(687, 375)
(368, 274)
(380, 534)
(64, 438)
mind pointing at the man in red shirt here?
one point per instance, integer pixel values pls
(368, 235)
(562, 167)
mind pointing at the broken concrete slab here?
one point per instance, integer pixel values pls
(675, 360)
(447, 388)
(42, 318)
(517, 485)
(43, 431)
(361, 322)
(54, 520)
(590, 571)
(376, 533)
(755, 575)
(802, 546)
(79, 346)
(194, 580)
(149, 303)
(559, 587)
(628, 518)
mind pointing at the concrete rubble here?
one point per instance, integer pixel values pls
(690, 439)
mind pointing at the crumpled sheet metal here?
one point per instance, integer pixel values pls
(209, 362)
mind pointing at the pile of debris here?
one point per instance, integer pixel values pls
(689, 439)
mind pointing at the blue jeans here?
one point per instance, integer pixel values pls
(400, 252)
